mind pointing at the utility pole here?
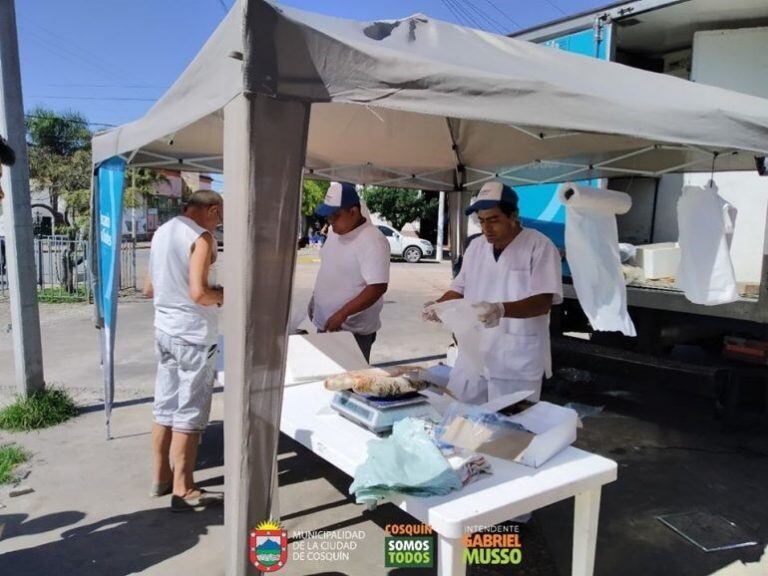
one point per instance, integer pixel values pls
(440, 225)
(27, 349)
(133, 229)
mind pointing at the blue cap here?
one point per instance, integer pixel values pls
(491, 195)
(339, 195)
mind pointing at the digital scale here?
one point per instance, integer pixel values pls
(379, 414)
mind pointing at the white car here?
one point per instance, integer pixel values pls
(410, 249)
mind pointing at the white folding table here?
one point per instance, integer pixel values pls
(512, 490)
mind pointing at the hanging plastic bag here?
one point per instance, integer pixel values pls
(706, 274)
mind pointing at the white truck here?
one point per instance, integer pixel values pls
(706, 41)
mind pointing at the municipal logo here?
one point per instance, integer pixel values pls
(268, 546)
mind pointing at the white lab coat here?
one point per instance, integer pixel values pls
(516, 353)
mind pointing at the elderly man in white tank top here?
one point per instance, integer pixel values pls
(186, 336)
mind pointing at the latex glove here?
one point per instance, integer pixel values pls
(428, 314)
(489, 313)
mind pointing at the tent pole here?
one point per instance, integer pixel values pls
(440, 225)
(264, 149)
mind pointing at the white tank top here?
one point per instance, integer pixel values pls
(176, 313)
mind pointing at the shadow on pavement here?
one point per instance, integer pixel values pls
(118, 546)
(21, 525)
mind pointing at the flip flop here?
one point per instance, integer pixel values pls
(162, 489)
(179, 504)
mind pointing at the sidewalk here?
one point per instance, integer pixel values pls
(90, 514)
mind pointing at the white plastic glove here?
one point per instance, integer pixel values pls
(489, 313)
(428, 314)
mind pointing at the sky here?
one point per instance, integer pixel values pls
(111, 59)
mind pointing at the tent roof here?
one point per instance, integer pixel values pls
(406, 102)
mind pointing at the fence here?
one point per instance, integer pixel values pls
(63, 272)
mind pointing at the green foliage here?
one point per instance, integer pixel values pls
(42, 409)
(141, 184)
(62, 134)
(60, 156)
(61, 295)
(399, 206)
(312, 195)
(11, 456)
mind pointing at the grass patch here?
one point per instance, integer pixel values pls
(11, 456)
(42, 409)
(59, 295)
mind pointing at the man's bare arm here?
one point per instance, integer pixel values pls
(199, 266)
(148, 289)
(530, 307)
(450, 295)
(367, 298)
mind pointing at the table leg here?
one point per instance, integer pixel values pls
(586, 514)
(449, 557)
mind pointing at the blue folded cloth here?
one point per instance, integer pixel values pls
(407, 462)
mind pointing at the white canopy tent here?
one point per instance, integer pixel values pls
(408, 101)
(418, 103)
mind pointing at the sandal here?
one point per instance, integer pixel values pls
(181, 504)
(162, 489)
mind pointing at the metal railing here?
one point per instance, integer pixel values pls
(63, 272)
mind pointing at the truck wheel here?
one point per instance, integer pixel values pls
(412, 254)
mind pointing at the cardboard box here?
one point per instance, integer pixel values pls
(550, 429)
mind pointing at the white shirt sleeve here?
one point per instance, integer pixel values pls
(374, 262)
(546, 270)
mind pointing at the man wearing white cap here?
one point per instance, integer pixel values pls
(354, 270)
(513, 278)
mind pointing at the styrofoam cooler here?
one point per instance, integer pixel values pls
(658, 260)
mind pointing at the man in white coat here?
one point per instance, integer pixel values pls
(513, 278)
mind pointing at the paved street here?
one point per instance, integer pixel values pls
(90, 516)
(71, 345)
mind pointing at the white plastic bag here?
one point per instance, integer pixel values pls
(706, 272)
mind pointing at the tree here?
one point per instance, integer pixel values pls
(59, 152)
(141, 185)
(399, 206)
(312, 194)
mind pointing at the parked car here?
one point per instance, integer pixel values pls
(410, 249)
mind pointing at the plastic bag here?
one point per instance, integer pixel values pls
(461, 319)
(479, 426)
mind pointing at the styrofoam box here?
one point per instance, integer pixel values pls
(658, 260)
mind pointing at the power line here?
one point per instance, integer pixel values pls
(481, 14)
(126, 86)
(224, 5)
(466, 16)
(66, 54)
(556, 7)
(85, 53)
(72, 120)
(104, 98)
(504, 14)
(450, 7)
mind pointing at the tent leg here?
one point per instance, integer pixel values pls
(458, 201)
(264, 149)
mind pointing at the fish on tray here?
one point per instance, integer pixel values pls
(394, 381)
